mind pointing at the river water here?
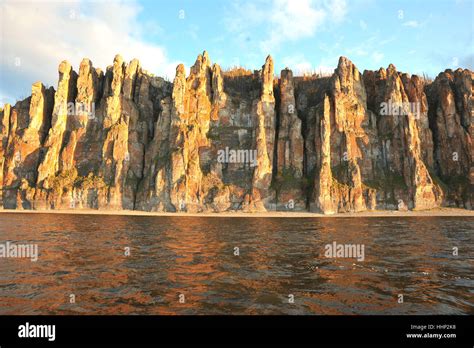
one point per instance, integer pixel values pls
(99, 264)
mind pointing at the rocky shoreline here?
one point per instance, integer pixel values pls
(440, 212)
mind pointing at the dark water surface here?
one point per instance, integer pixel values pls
(194, 256)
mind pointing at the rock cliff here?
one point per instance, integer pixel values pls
(217, 140)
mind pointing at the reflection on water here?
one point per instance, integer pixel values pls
(195, 256)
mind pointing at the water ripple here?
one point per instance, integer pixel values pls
(194, 257)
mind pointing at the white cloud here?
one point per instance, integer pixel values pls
(377, 57)
(244, 15)
(363, 25)
(301, 66)
(358, 51)
(44, 35)
(292, 20)
(297, 63)
(337, 9)
(283, 21)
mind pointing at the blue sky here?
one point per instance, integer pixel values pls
(305, 35)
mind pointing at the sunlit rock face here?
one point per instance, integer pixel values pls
(289, 152)
(215, 140)
(451, 121)
(403, 132)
